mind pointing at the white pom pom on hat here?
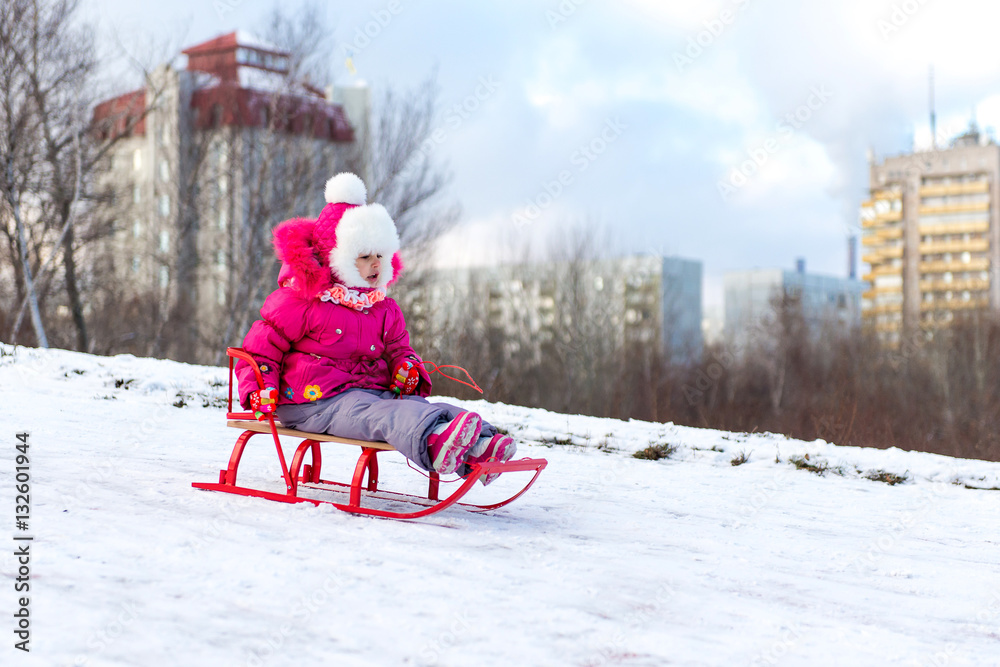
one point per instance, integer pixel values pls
(346, 188)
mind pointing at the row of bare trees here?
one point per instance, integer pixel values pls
(937, 391)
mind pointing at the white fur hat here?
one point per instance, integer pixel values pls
(347, 228)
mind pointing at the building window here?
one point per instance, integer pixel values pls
(164, 241)
(223, 218)
(136, 194)
(137, 159)
(164, 277)
(220, 259)
(164, 170)
(164, 205)
(135, 263)
(223, 184)
(136, 228)
(220, 294)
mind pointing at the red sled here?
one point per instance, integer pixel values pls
(364, 483)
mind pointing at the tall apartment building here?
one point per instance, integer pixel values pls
(932, 236)
(213, 155)
(751, 298)
(627, 301)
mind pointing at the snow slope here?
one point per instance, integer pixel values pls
(608, 560)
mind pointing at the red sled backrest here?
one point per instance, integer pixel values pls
(235, 353)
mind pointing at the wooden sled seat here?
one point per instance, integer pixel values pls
(364, 483)
(264, 427)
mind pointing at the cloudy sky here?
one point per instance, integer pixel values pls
(734, 132)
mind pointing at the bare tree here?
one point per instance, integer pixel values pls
(20, 150)
(407, 176)
(50, 71)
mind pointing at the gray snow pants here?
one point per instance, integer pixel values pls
(370, 414)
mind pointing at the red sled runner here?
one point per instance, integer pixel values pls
(364, 484)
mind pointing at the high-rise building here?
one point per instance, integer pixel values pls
(753, 299)
(212, 156)
(931, 236)
(640, 301)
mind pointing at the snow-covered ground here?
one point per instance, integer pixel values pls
(608, 560)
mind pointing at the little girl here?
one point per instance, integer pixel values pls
(334, 351)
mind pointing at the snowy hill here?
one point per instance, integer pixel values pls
(608, 560)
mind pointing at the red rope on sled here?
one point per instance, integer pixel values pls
(437, 369)
(431, 371)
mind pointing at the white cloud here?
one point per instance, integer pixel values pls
(799, 168)
(685, 15)
(500, 239)
(717, 89)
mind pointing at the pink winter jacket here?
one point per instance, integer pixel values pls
(311, 349)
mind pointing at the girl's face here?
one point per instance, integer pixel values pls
(370, 267)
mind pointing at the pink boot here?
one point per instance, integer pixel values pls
(499, 448)
(449, 443)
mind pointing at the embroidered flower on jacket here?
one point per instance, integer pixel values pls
(312, 392)
(264, 368)
(289, 393)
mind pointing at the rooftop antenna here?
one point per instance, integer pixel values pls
(933, 118)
